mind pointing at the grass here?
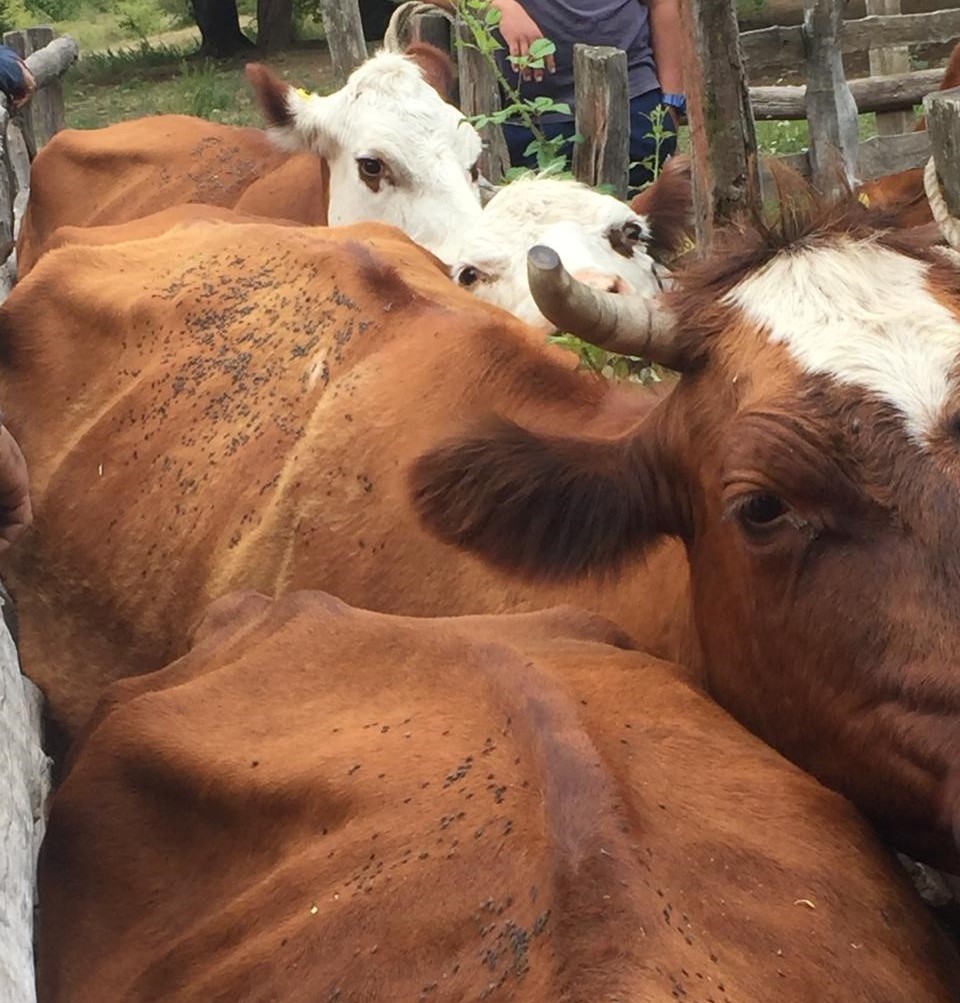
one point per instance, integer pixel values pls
(155, 80)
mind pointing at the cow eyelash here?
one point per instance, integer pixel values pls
(759, 512)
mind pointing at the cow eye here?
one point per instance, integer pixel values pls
(467, 276)
(370, 167)
(759, 512)
(633, 232)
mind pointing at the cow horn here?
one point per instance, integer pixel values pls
(628, 325)
(949, 225)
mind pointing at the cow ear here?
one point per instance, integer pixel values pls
(294, 118)
(435, 65)
(667, 206)
(550, 508)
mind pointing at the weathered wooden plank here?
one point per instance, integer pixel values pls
(780, 48)
(602, 117)
(887, 60)
(18, 159)
(942, 111)
(878, 156)
(891, 154)
(869, 94)
(344, 31)
(831, 110)
(432, 27)
(480, 95)
(724, 142)
(24, 780)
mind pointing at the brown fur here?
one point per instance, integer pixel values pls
(436, 66)
(255, 396)
(828, 637)
(323, 803)
(271, 93)
(102, 177)
(109, 176)
(668, 205)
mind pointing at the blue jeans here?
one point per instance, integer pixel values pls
(642, 144)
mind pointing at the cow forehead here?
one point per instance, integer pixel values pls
(530, 204)
(863, 315)
(387, 105)
(540, 210)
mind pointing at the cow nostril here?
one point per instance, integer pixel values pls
(604, 281)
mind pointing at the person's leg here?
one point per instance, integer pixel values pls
(647, 154)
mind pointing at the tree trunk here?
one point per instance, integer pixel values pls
(219, 26)
(274, 24)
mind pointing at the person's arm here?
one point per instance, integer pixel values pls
(16, 81)
(668, 41)
(520, 31)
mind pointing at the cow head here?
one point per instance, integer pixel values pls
(397, 151)
(809, 460)
(600, 240)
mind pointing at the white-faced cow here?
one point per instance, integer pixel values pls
(386, 146)
(809, 461)
(601, 240)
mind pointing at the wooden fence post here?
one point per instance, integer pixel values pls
(885, 61)
(344, 31)
(942, 110)
(480, 95)
(602, 117)
(831, 110)
(432, 27)
(725, 172)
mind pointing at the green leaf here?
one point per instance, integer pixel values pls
(492, 17)
(542, 48)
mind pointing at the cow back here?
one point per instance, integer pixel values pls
(322, 803)
(238, 406)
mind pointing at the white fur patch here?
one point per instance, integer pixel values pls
(387, 111)
(864, 315)
(566, 216)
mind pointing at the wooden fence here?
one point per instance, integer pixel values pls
(891, 90)
(26, 130)
(24, 769)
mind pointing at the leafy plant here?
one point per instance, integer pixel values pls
(142, 18)
(481, 20)
(206, 93)
(659, 132)
(608, 364)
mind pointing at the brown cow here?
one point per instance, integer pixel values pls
(235, 406)
(386, 146)
(808, 461)
(322, 803)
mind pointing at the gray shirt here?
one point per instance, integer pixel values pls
(621, 23)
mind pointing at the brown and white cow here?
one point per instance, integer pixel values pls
(386, 146)
(322, 803)
(809, 461)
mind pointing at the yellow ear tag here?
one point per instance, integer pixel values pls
(302, 92)
(864, 199)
